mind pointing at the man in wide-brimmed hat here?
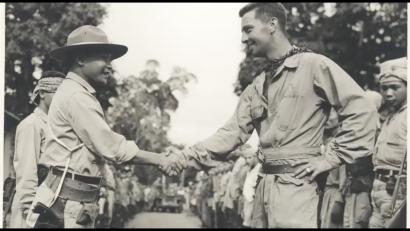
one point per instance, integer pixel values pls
(29, 147)
(80, 137)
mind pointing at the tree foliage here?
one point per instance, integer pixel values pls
(32, 30)
(357, 36)
(143, 108)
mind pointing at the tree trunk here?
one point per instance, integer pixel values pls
(24, 86)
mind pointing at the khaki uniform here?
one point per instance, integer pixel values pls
(232, 198)
(249, 194)
(75, 117)
(111, 187)
(289, 117)
(331, 196)
(391, 147)
(29, 147)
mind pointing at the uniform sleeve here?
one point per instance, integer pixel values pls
(89, 124)
(234, 133)
(358, 116)
(27, 152)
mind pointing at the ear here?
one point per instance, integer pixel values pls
(79, 61)
(41, 94)
(273, 25)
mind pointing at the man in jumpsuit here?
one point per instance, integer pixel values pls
(391, 145)
(29, 147)
(288, 104)
(80, 138)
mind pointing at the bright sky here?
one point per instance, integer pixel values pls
(204, 38)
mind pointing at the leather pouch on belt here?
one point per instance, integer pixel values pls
(390, 184)
(87, 214)
(44, 196)
(50, 217)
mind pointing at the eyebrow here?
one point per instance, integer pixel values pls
(390, 85)
(246, 27)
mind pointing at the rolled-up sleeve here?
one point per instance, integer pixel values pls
(234, 133)
(89, 124)
(358, 117)
(27, 152)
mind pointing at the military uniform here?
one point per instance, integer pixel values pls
(332, 197)
(249, 194)
(79, 141)
(30, 141)
(288, 111)
(391, 148)
(29, 147)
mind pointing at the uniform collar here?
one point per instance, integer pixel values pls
(76, 78)
(403, 107)
(40, 113)
(292, 61)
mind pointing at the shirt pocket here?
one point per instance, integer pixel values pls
(286, 179)
(394, 152)
(258, 109)
(289, 109)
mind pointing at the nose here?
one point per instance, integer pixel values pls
(244, 38)
(389, 94)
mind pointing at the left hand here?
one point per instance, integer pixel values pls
(314, 167)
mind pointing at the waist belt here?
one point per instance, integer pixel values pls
(277, 169)
(42, 172)
(332, 186)
(73, 189)
(386, 172)
(77, 177)
(271, 153)
(381, 177)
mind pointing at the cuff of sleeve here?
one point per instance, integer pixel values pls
(200, 155)
(127, 151)
(332, 158)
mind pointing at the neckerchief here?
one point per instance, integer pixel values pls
(273, 65)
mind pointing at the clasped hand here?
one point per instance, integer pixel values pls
(172, 162)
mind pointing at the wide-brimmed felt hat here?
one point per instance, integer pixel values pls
(88, 37)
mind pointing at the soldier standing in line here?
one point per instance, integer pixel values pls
(391, 145)
(29, 147)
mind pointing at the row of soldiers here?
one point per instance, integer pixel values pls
(361, 195)
(222, 197)
(122, 196)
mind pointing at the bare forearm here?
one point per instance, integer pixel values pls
(146, 158)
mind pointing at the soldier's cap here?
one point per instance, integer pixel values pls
(85, 37)
(392, 69)
(49, 82)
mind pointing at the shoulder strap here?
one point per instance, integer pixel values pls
(71, 150)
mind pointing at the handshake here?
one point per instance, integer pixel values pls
(173, 161)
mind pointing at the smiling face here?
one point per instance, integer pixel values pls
(256, 35)
(394, 92)
(97, 67)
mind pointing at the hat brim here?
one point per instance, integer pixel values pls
(115, 50)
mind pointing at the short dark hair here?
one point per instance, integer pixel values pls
(50, 74)
(265, 11)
